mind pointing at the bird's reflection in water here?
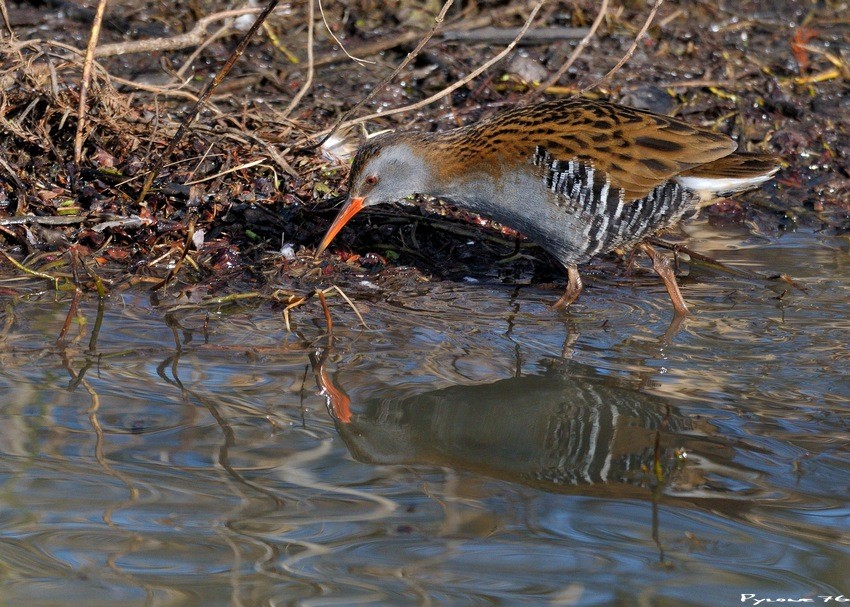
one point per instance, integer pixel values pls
(569, 429)
(568, 426)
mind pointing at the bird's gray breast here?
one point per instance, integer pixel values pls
(567, 206)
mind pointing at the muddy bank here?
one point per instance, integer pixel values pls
(243, 201)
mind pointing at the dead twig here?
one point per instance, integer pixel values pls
(72, 310)
(438, 20)
(85, 81)
(330, 31)
(631, 50)
(193, 37)
(26, 270)
(190, 115)
(579, 49)
(450, 89)
(311, 17)
(45, 221)
(78, 295)
(190, 232)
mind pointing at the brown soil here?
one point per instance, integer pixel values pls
(775, 76)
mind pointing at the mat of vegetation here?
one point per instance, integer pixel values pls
(243, 200)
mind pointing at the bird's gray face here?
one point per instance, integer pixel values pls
(392, 173)
(384, 170)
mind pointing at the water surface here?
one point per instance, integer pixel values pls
(479, 448)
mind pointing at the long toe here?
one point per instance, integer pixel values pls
(573, 289)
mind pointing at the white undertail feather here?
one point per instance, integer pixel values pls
(709, 188)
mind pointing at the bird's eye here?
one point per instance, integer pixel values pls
(371, 180)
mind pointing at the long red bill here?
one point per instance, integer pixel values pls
(348, 210)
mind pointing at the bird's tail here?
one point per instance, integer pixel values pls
(733, 173)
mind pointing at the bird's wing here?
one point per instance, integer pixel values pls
(635, 150)
(741, 165)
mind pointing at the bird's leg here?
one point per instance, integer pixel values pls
(573, 288)
(661, 265)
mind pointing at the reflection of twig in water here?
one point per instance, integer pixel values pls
(656, 536)
(94, 408)
(226, 428)
(656, 454)
(659, 475)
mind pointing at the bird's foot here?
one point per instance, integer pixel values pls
(572, 291)
(661, 265)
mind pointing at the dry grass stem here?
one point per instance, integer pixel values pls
(450, 89)
(631, 50)
(311, 18)
(246, 165)
(340, 44)
(353, 307)
(369, 49)
(579, 49)
(6, 22)
(438, 20)
(190, 60)
(85, 82)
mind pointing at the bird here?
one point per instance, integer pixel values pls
(579, 177)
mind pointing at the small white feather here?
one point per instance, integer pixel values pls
(721, 184)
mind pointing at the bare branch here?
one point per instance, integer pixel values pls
(190, 115)
(191, 38)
